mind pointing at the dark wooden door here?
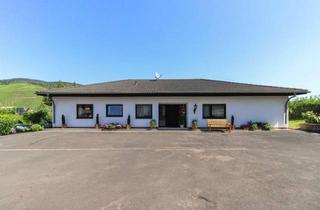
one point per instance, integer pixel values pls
(169, 115)
(172, 115)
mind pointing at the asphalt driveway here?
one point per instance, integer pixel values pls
(89, 169)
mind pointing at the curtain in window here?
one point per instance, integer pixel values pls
(144, 111)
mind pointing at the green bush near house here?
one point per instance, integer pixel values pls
(14, 117)
(266, 127)
(37, 117)
(311, 117)
(153, 123)
(6, 126)
(7, 111)
(36, 127)
(301, 105)
(253, 127)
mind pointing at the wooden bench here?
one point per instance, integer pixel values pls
(219, 123)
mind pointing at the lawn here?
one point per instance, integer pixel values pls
(295, 124)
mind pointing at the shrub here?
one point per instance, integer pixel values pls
(6, 126)
(194, 124)
(36, 117)
(63, 119)
(153, 123)
(301, 105)
(97, 119)
(36, 127)
(129, 120)
(253, 127)
(266, 127)
(7, 111)
(311, 117)
(14, 117)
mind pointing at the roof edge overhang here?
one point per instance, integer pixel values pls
(164, 94)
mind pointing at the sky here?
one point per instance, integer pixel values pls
(271, 42)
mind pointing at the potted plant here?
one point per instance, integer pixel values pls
(97, 121)
(232, 122)
(153, 124)
(194, 124)
(128, 122)
(181, 121)
(63, 121)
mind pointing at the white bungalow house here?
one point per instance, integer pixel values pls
(168, 100)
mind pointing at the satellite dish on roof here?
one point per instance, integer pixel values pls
(157, 75)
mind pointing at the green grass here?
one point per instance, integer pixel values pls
(295, 124)
(20, 95)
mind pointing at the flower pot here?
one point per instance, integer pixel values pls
(97, 126)
(181, 126)
(128, 126)
(64, 126)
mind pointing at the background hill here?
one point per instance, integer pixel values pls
(19, 92)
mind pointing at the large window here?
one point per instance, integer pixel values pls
(144, 111)
(214, 111)
(84, 111)
(114, 110)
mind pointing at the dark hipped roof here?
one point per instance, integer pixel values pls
(171, 87)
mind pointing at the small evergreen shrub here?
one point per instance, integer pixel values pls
(63, 119)
(97, 119)
(129, 120)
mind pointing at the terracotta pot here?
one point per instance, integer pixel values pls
(64, 126)
(97, 126)
(128, 126)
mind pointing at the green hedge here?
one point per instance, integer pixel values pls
(6, 125)
(14, 117)
(302, 105)
(7, 111)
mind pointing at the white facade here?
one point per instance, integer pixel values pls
(269, 109)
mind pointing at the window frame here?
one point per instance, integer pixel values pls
(91, 105)
(107, 114)
(212, 117)
(148, 117)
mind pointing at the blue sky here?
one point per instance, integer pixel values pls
(274, 42)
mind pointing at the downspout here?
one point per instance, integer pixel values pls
(286, 108)
(53, 110)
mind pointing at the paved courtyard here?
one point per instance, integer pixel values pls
(167, 170)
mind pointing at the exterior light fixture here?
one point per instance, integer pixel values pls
(195, 106)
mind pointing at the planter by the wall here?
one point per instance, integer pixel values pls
(310, 127)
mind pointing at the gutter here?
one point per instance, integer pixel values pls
(286, 108)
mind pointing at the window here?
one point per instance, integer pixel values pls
(114, 110)
(84, 111)
(144, 111)
(214, 111)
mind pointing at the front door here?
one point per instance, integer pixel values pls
(172, 115)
